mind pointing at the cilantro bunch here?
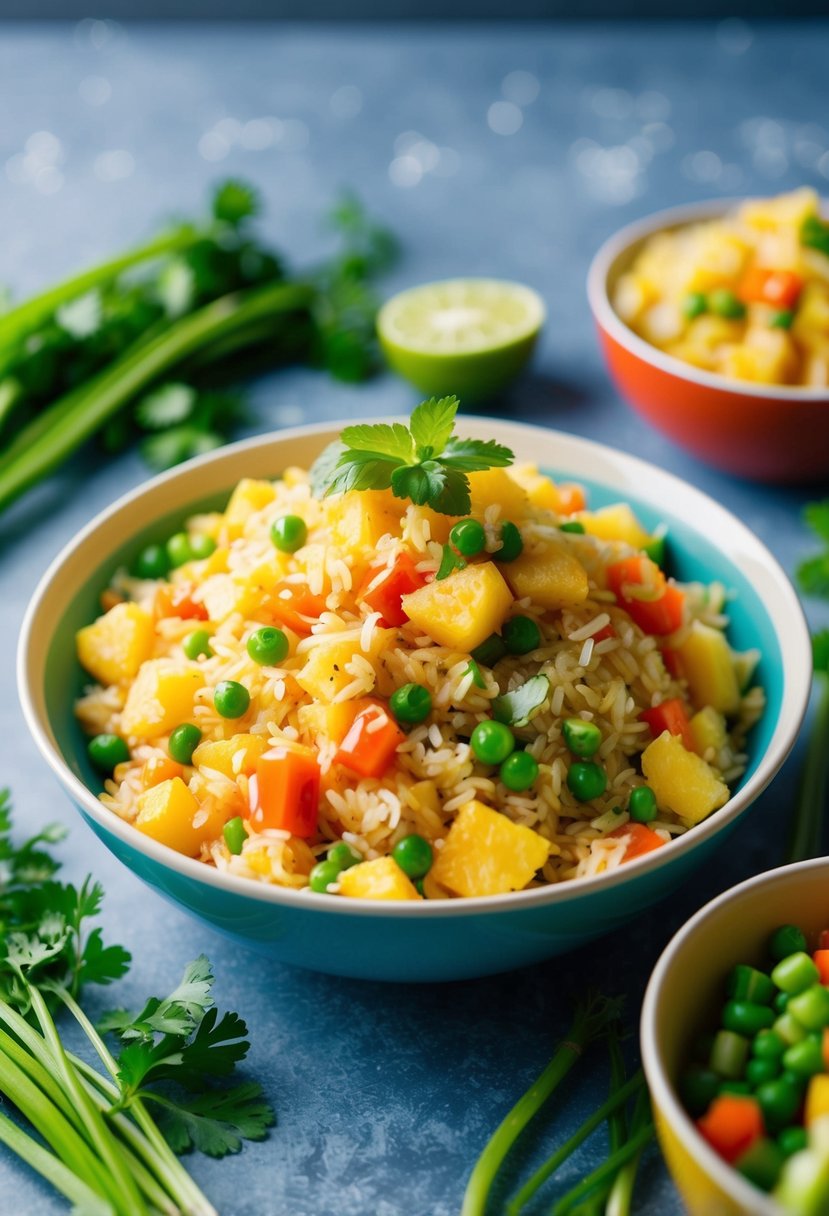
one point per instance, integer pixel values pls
(90, 1131)
(424, 461)
(205, 303)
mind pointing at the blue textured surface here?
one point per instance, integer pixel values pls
(386, 1094)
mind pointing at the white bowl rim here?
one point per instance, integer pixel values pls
(609, 320)
(723, 1174)
(793, 706)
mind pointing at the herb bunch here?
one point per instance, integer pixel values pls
(424, 461)
(91, 1132)
(135, 347)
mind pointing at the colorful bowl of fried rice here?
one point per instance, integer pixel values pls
(713, 319)
(369, 738)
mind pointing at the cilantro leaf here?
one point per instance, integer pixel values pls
(433, 421)
(177, 1014)
(449, 562)
(235, 201)
(518, 707)
(820, 650)
(102, 964)
(813, 575)
(387, 439)
(422, 462)
(816, 515)
(216, 1122)
(26, 951)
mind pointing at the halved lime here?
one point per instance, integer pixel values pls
(463, 336)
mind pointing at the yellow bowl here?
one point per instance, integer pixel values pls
(681, 1001)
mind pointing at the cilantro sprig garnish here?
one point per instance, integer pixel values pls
(91, 1133)
(424, 461)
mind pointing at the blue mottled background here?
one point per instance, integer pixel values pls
(510, 150)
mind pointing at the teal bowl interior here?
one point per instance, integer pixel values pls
(477, 937)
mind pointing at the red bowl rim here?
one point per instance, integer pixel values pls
(604, 262)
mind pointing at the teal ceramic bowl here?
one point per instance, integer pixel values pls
(415, 941)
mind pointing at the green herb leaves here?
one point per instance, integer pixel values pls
(423, 462)
(516, 708)
(813, 572)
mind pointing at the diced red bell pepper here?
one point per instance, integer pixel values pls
(821, 960)
(642, 840)
(601, 635)
(570, 498)
(660, 609)
(672, 661)
(401, 579)
(780, 288)
(284, 792)
(293, 605)
(731, 1125)
(371, 742)
(177, 600)
(672, 716)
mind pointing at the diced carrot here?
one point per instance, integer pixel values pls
(292, 605)
(781, 288)
(570, 498)
(158, 769)
(177, 601)
(642, 840)
(371, 742)
(402, 579)
(821, 961)
(731, 1125)
(659, 607)
(284, 792)
(672, 716)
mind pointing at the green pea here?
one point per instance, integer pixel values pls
(781, 1002)
(512, 544)
(414, 855)
(642, 804)
(805, 1058)
(761, 1164)
(418, 886)
(411, 704)
(289, 533)
(694, 305)
(519, 771)
(782, 319)
(572, 525)
(490, 650)
(582, 738)
(744, 1017)
(729, 1055)
(586, 780)
(178, 549)
(105, 751)
(760, 1071)
(521, 635)
(322, 876)
(748, 984)
(235, 835)
(724, 303)
(789, 1029)
(788, 939)
(152, 562)
(792, 1140)
(735, 1087)
(811, 1007)
(196, 644)
(468, 537)
(778, 1101)
(768, 1045)
(492, 742)
(183, 742)
(202, 546)
(268, 646)
(795, 973)
(698, 1088)
(231, 699)
(343, 856)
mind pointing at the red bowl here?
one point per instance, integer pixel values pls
(770, 433)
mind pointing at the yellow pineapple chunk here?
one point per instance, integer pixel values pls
(616, 522)
(497, 486)
(463, 609)
(708, 664)
(325, 673)
(249, 497)
(551, 579)
(681, 780)
(222, 754)
(333, 721)
(439, 525)
(359, 518)
(709, 730)
(487, 854)
(160, 698)
(113, 648)
(170, 814)
(817, 1099)
(378, 879)
(540, 490)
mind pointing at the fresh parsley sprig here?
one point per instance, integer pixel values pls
(424, 462)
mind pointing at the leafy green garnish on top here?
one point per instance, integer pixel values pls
(517, 707)
(424, 461)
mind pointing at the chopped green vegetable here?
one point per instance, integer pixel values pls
(516, 708)
(423, 462)
(449, 561)
(814, 234)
